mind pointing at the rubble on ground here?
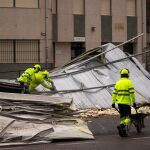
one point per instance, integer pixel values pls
(97, 112)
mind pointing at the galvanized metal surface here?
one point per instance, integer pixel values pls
(98, 77)
(101, 76)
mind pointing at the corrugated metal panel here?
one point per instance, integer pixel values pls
(100, 76)
(103, 76)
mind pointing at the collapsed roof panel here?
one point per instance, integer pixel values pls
(89, 82)
(99, 76)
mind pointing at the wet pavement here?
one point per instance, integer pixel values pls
(106, 138)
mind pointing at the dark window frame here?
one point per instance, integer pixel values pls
(14, 5)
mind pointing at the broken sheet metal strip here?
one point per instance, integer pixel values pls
(87, 60)
(80, 90)
(101, 65)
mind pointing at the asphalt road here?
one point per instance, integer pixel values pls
(106, 138)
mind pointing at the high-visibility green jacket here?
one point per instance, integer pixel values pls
(26, 77)
(123, 92)
(39, 78)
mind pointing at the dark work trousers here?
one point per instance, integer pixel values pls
(24, 88)
(124, 110)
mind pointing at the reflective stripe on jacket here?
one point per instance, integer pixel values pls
(123, 92)
(26, 77)
(39, 78)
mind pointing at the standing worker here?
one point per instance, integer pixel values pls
(43, 78)
(26, 78)
(123, 94)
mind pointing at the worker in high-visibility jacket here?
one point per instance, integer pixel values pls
(123, 94)
(43, 78)
(26, 78)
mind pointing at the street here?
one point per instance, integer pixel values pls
(106, 138)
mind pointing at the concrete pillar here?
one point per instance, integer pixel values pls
(119, 21)
(141, 26)
(46, 50)
(92, 24)
(65, 20)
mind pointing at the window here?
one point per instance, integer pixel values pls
(19, 51)
(6, 3)
(27, 3)
(20, 3)
(78, 7)
(131, 7)
(131, 27)
(106, 28)
(105, 7)
(6, 51)
(79, 26)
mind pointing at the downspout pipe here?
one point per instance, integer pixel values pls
(46, 40)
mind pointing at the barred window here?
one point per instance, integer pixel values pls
(6, 3)
(6, 51)
(19, 51)
(20, 3)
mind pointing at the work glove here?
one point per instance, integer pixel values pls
(113, 105)
(134, 105)
(53, 88)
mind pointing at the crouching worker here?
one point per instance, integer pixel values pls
(123, 94)
(26, 78)
(43, 78)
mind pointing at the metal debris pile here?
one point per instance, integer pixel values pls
(29, 119)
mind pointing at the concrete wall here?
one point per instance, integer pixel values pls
(28, 23)
(62, 53)
(46, 49)
(141, 26)
(19, 23)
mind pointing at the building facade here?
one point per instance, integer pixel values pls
(52, 32)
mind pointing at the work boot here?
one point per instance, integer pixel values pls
(122, 130)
